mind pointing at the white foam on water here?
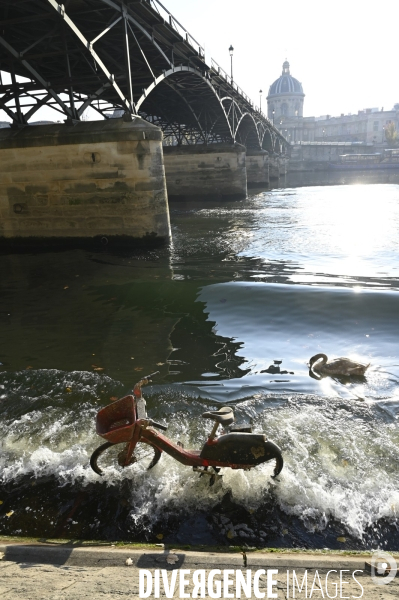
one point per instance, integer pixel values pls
(339, 463)
(340, 458)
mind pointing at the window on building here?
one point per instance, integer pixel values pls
(284, 109)
(376, 126)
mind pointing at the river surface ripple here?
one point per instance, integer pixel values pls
(282, 276)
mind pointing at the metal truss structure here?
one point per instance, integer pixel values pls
(120, 55)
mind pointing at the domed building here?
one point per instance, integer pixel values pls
(285, 99)
(325, 136)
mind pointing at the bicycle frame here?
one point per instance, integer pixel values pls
(126, 421)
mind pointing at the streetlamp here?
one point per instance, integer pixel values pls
(231, 50)
(273, 111)
(260, 100)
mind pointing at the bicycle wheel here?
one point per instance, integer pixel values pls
(144, 458)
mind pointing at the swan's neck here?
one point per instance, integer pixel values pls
(324, 359)
(320, 360)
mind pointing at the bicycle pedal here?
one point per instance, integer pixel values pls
(214, 478)
(122, 459)
(202, 471)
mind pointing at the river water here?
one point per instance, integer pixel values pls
(283, 275)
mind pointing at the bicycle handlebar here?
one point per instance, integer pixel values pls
(143, 381)
(151, 375)
(158, 425)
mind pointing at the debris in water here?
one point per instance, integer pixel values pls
(224, 520)
(9, 514)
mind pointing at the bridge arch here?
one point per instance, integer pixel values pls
(278, 146)
(247, 133)
(267, 141)
(184, 103)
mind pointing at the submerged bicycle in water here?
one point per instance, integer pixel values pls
(126, 422)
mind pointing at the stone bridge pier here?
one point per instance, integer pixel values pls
(109, 181)
(97, 180)
(257, 162)
(206, 172)
(219, 171)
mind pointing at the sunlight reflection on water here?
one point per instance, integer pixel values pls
(349, 231)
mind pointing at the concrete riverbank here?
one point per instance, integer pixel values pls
(74, 570)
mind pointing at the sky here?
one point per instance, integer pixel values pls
(344, 52)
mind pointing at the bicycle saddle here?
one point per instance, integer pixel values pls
(224, 416)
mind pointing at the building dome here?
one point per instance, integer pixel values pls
(286, 84)
(285, 99)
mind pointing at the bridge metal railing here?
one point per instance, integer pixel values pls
(181, 30)
(177, 26)
(222, 73)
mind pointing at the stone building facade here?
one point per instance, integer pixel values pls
(285, 109)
